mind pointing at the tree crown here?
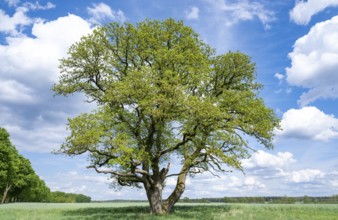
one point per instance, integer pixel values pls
(161, 91)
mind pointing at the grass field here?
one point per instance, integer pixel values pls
(46, 211)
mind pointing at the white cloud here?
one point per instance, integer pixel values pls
(333, 178)
(95, 178)
(37, 6)
(305, 175)
(247, 183)
(36, 59)
(308, 123)
(304, 10)
(252, 183)
(13, 24)
(12, 2)
(279, 76)
(13, 91)
(29, 69)
(102, 12)
(223, 185)
(89, 183)
(242, 10)
(262, 159)
(43, 137)
(192, 13)
(314, 62)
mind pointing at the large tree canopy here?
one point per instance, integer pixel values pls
(161, 92)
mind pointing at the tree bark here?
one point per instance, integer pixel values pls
(177, 193)
(154, 194)
(8, 187)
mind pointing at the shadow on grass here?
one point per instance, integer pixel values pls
(131, 212)
(199, 211)
(138, 212)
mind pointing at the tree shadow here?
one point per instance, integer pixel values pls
(139, 212)
(132, 212)
(199, 211)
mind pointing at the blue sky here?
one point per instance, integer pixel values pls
(295, 47)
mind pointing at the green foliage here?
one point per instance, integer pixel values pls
(37, 191)
(62, 197)
(16, 173)
(20, 183)
(161, 91)
(7, 156)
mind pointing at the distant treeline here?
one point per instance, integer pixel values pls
(268, 199)
(20, 183)
(119, 201)
(48, 196)
(284, 200)
(68, 197)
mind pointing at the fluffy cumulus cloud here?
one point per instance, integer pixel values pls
(42, 137)
(29, 58)
(34, 60)
(314, 62)
(29, 69)
(308, 123)
(12, 2)
(12, 91)
(233, 185)
(242, 10)
(192, 13)
(262, 159)
(247, 183)
(304, 10)
(101, 12)
(305, 175)
(14, 24)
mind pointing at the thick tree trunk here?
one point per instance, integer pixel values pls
(154, 194)
(8, 187)
(154, 188)
(177, 193)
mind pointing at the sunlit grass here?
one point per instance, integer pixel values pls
(31, 211)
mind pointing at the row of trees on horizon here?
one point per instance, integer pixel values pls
(20, 183)
(269, 199)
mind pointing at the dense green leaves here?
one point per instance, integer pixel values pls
(19, 182)
(161, 91)
(61, 197)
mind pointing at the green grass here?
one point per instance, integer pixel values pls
(43, 211)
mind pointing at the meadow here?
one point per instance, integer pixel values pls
(32, 211)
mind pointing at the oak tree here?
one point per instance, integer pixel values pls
(161, 92)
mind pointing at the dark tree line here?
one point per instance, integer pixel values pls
(61, 197)
(268, 200)
(20, 183)
(283, 200)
